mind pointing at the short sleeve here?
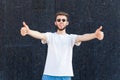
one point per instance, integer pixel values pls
(78, 43)
(74, 36)
(47, 35)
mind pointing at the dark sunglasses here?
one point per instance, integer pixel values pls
(63, 20)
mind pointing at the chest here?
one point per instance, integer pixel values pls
(60, 40)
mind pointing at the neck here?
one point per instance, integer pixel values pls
(61, 32)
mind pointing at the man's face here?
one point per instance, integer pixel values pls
(61, 22)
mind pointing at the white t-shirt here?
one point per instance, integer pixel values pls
(59, 54)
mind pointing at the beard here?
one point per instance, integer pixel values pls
(61, 29)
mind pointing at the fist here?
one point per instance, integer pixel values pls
(99, 34)
(23, 31)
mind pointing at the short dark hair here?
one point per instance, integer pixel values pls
(62, 13)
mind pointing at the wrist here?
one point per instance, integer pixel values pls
(95, 36)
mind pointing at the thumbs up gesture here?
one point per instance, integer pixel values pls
(99, 34)
(25, 29)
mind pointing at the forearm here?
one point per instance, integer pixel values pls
(36, 34)
(86, 37)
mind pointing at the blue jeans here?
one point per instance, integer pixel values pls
(47, 77)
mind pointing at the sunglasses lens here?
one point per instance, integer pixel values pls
(58, 20)
(63, 20)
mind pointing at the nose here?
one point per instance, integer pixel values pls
(60, 21)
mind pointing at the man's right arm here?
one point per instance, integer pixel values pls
(25, 30)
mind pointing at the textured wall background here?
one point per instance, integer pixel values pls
(23, 58)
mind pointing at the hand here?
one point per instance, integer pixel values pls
(24, 30)
(99, 34)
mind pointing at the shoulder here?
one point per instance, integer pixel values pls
(73, 35)
(49, 33)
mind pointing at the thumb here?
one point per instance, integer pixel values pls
(24, 24)
(100, 28)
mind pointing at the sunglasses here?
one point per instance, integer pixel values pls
(59, 20)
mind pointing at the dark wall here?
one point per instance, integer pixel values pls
(23, 58)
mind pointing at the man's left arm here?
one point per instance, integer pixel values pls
(86, 37)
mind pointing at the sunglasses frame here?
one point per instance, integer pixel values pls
(59, 20)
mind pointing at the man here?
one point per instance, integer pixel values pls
(60, 47)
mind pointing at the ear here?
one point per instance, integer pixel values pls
(67, 23)
(55, 23)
